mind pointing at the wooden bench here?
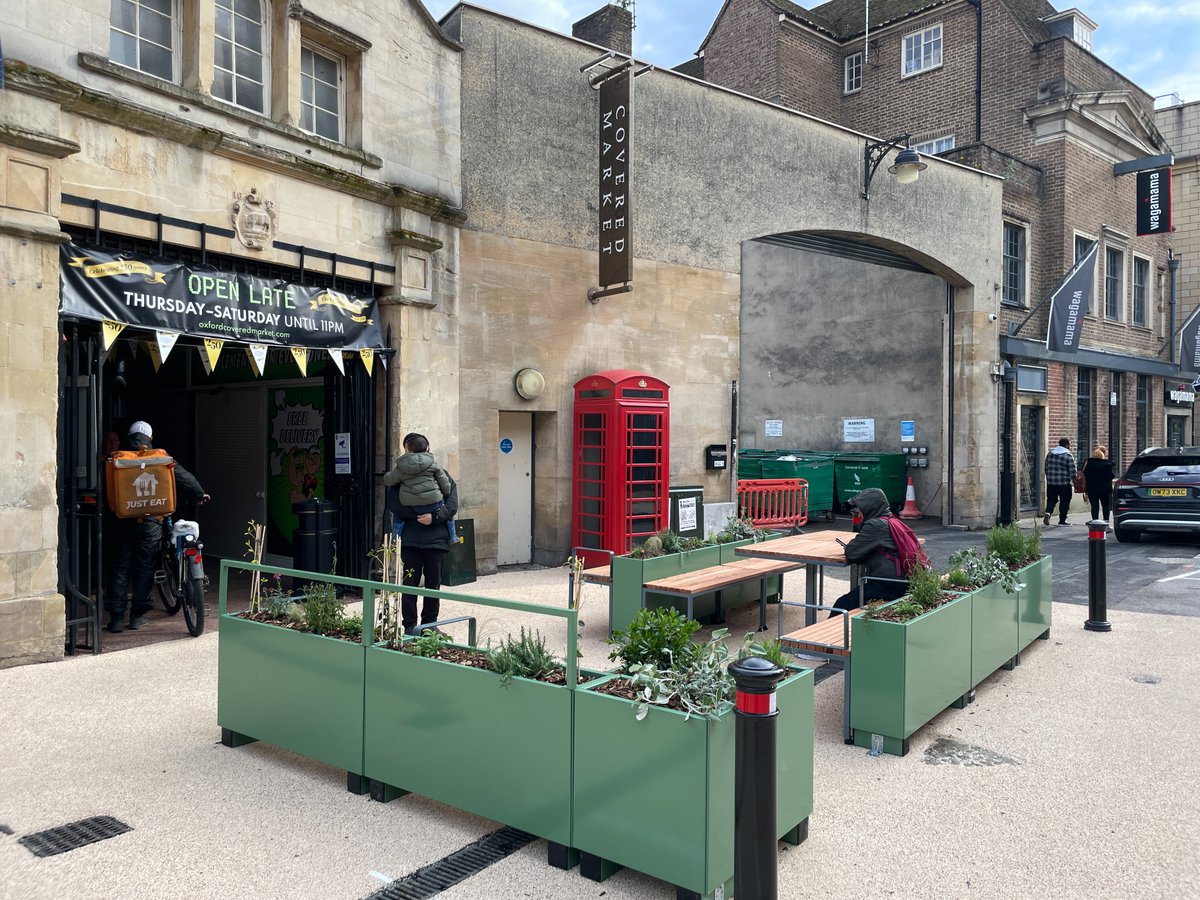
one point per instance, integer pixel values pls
(829, 638)
(715, 579)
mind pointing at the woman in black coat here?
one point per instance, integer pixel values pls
(1098, 475)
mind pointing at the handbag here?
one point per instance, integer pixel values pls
(1080, 483)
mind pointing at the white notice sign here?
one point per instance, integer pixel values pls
(341, 453)
(774, 428)
(858, 431)
(687, 514)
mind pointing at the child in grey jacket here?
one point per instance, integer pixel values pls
(422, 485)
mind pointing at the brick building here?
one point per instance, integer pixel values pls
(1011, 87)
(1180, 125)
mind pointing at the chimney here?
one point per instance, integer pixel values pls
(610, 26)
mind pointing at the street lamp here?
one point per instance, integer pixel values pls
(907, 167)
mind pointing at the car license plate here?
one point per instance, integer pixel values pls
(1168, 492)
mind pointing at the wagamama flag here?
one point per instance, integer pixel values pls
(1069, 304)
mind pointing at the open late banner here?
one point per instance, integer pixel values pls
(167, 295)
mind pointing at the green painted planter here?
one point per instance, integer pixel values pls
(1034, 602)
(302, 692)
(656, 796)
(456, 735)
(993, 631)
(629, 574)
(902, 675)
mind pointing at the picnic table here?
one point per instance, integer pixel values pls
(812, 552)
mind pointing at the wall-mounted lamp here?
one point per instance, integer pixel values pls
(907, 168)
(529, 383)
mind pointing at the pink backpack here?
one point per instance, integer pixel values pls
(909, 549)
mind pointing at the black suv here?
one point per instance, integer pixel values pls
(1160, 492)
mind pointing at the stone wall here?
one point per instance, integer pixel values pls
(529, 256)
(31, 609)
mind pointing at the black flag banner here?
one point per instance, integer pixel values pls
(1189, 343)
(167, 295)
(1069, 304)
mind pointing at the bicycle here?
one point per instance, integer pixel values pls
(180, 578)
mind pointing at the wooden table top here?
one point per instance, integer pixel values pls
(821, 547)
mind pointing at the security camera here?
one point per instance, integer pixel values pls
(992, 317)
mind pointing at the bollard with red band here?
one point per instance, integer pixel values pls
(755, 872)
(1097, 619)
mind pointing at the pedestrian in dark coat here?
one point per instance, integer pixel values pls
(1098, 475)
(424, 543)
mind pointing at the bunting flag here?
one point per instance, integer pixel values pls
(300, 355)
(156, 356)
(258, 357)
(367, 355)
(1069, 304)
(383, 362)
(166, 343)
(209, 353)
(336, 356)
(111, 330)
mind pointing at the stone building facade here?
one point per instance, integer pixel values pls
(140, 134)
(1013, 88)
(726, 272)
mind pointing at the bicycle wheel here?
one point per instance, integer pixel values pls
(193, 606)
(166, 581)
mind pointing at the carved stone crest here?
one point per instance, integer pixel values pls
(253, 219)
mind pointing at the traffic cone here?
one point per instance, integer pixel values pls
(910, 510)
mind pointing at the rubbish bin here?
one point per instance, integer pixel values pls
(749, 463)
(855, 472)
(459, 567)
(687, 510)
(314, 538)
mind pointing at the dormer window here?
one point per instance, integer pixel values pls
(1073, 24)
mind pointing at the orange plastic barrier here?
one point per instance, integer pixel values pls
(774, 501)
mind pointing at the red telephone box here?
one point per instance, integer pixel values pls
(619, 493)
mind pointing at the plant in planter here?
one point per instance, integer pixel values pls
(926, 590)
(770, 650)
(654, 791)
(740, 529)
(1022, 552)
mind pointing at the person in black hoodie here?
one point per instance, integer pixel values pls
(867, 549)
(1098, 474)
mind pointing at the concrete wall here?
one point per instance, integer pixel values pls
(862, 341)
(710, 170)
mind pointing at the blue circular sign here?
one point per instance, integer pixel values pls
(506, 446)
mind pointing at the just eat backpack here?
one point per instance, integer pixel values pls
(909, 553)
(140, 483)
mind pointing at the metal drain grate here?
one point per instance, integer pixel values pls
(65, 838)
(430, 880)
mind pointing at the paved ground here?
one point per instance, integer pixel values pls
(1070, 776)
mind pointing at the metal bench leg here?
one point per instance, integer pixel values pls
(847, 732)
(810, 592)
(762, 604)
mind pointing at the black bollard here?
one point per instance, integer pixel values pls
(755, 864)
(1097, 619)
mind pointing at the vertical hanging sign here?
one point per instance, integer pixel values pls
(1154, 201)
(616, 256)
(1189, 344)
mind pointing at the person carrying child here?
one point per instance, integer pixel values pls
(421, 484)
(423, 519)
